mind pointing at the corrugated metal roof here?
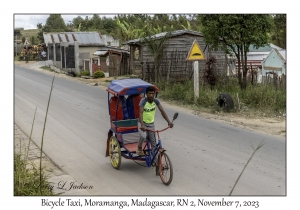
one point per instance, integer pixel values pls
(160, 35)
(259, 57)
(83, 38)
(282, 53)
(103, 50)
(100, 52)
(267, 48)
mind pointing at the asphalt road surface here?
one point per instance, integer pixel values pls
(207, 156)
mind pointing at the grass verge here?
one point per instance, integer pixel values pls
(258, 99)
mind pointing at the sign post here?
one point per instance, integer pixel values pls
(196, 81)
(195, 54)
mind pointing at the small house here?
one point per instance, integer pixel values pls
(275, 62)
(256, 56)
(174, 64)
(113, 61)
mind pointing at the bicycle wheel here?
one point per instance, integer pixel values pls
(115, 152)
(165, 168)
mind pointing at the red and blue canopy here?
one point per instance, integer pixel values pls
(129, 86)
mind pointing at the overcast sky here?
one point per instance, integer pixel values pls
(30, 21)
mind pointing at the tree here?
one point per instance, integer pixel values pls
(279, 34)
(235, 34)
(55, 23)
(209, 73)
(39, 26)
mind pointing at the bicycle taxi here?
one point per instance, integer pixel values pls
(123, 107)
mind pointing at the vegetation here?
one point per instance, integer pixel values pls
(237, 31)
(235, 34)
(258, 98)
(46, 68)
(99, 74)
(125, 27)
(278, 34)
(84, 73)
(156, 48)
(27, 182)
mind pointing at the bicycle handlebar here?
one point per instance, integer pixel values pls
(147, 129)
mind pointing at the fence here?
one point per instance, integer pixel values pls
(174, 67)
(271, 79)
(274, 80)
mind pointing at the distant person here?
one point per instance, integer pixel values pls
(27, 55)
(43, 55)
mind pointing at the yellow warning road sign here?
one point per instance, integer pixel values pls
(195, 53)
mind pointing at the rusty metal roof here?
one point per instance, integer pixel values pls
(83, 38)
(160, 35)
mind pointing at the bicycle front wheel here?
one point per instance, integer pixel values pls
(165, 168)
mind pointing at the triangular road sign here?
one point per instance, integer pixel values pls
(195, 53)
(26, 42)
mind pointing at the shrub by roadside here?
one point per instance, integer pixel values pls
(99, 74)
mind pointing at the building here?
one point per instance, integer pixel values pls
(173, 65)
(256, 56)
(73, 51)
(275, 62)
(113, 61)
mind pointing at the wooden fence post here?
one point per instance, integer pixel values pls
(238, 101)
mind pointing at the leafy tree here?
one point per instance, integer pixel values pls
(55, 23)
(76, 21)
(39, 26)
(33, 40)
(279, 34)
(235, 33)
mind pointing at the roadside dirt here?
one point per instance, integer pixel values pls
(275, 125)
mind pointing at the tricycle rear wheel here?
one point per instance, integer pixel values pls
(115, 152)
(165, 168)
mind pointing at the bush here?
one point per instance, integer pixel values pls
(99, 74)
(84, 73)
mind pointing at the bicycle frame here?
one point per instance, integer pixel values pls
(149, 156)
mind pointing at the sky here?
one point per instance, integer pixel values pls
(30, 21)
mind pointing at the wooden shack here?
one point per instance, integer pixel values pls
(173, 65)
(112, 60)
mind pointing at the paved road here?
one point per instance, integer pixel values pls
(207, 156)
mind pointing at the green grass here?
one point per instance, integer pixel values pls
(27, 181)
(46, 68)
(257, 98)
(28, 33)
